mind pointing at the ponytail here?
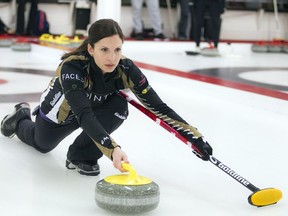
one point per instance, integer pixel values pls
(81, 48)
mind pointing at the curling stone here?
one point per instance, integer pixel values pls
(75, 42)
(275, 48)
(259, 47)
(285, 48)
(127, 193)
(213, 52)
(5, 42)
(21, 46)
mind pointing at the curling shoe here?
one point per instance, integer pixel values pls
(84, 168)
(10, 122)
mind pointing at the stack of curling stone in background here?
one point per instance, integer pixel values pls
(18, 44)
(127, 193)
(60, 41)
(275, 46)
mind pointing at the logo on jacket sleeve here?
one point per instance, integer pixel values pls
(104, 140)
(142, 80)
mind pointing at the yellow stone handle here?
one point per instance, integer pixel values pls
(128, 179)
(132, 172)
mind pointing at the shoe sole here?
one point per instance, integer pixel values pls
(5, 120)
(71, 166)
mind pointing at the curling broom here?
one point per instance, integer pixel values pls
(259, 197)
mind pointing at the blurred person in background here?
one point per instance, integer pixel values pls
(154, 14)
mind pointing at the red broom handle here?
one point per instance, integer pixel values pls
(155, 119)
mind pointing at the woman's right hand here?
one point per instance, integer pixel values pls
(119, 156)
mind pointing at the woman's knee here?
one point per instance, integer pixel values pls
(44, 148)
(121, 109)
(115, 114)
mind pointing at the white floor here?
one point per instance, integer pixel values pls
(248, 132)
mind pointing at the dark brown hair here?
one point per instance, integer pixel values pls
(100, 29)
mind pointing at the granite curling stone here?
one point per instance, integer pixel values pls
(5, 42)
(213, 52)
(127, 193)
(21, 46)
(259, 48)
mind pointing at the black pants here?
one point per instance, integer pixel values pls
(45, 136)
(212, 9)
(184, 17)
(20, 26)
